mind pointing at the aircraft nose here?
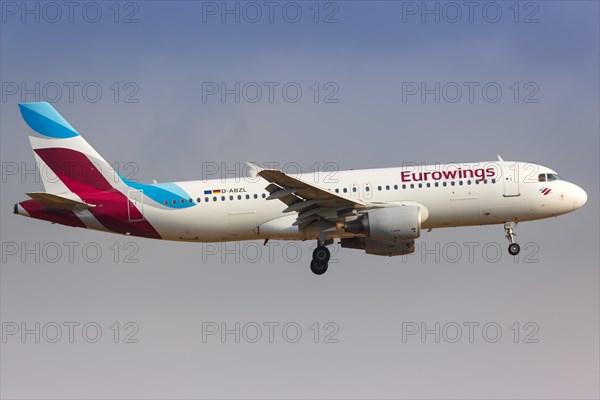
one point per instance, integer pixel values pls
(579, 197)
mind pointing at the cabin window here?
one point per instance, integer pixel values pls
(387, 187)
(337, 190)
(452, 183)
(166, 202)
(198, 200)
(485, 181)
(445, 184)
(354, 189)
(264, 195)
(493, 180)
(174, 201)
(215, 198)
(255, 196)
(469, 182)
(436, 184)
(412, 185)
(460, 183)
(367, 189)
(403, 186)
(428, 184)
(230, 197)
(247, 197)
(345, 190)
(239, 196)
(395, 187)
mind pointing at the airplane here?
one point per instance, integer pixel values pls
(381, 211)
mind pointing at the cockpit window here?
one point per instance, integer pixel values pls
(549, 177)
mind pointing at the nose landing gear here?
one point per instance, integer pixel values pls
(513, 248)
(320, 260)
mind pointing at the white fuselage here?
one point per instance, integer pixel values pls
(241, 212)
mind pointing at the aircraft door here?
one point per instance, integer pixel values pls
(135, 205)
(510, 179)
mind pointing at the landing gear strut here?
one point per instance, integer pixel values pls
(513, 248)
(320, 260)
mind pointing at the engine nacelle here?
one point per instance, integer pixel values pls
(380, 247)
(388, 224)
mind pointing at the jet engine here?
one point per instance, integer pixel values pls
(388, 231)
(388, 223)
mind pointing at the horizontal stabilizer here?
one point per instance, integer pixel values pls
(59, 202)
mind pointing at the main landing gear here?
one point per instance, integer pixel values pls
(513, 248)
(320, 260)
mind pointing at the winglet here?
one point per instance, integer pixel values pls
(253, 169)
(500, 158)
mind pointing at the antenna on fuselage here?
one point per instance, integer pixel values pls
(500, 158)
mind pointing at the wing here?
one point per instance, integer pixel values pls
(311, 202)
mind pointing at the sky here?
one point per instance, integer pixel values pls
(189, 90)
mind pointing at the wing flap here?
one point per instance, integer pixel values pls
(281, 193)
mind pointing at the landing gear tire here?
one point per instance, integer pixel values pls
(321, 255)
(513, 249)
(318, 268)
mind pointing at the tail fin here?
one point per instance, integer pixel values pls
(67, 163)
